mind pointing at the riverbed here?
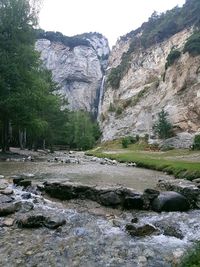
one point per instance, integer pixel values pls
(93, 235)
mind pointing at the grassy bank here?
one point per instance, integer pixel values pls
(180, 163)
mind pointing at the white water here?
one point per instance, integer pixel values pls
(101, 95)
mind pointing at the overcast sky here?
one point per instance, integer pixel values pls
(112, 18)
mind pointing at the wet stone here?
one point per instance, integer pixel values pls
(135, 202)
(5, 199)
(6, 191)
(144, 230)
(7, 208)
(8, 222)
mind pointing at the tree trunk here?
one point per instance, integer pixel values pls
(5, 136)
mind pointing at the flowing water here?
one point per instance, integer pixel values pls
(93, 235)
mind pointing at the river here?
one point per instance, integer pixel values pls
(93, 235)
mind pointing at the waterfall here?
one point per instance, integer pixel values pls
(101, 95)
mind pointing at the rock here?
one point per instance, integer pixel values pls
(26, 195)
(78, 71)
(8, 222)
(3, 184)
(2, 176)
(54, 222)
(31, 221)
(117, 223)
(25, 183)
(24, 206)
(17, 180)
(141, 231)
(170, 229)
(7, 208)
(110, 199)
(134, 220)
(197, 181)
(6, 191)
(35, 220)
(5, 199)
(177, 256)
(170, 201)
(142, 261)
(184, 187)
(135, 202)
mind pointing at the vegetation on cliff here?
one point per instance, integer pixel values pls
(158, 28)
(59, 37)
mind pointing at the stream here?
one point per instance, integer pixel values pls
(93, 235)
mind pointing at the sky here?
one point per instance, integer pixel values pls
(112, 18)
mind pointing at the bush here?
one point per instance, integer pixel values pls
(171, 58)
(192, 259)
(192, 45)
(196, 143)
(125, 142)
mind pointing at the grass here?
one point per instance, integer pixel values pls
(174, 162)
(192, 259)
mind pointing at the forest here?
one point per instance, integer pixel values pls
(31, 113)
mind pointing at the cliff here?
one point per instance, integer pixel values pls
(147, 87)
(78, 64)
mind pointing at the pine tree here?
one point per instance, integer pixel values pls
(163, 128)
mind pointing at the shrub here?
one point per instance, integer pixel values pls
(119, 111)
(125, 142)
(196, 143)
(192, 46)
(171, 58)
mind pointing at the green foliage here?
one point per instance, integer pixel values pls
(119, 110)
(196, 143)
(192, 259)
(129, 140)
(125, 142)
(192, 46)
(115, 77)
(163, 127)
(59, 37)
(81, 132)
(171, 58)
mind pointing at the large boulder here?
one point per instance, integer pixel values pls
(184, 187)
(110, 199)
(170, 201)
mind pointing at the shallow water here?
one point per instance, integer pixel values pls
(90, 237)
(87, 172)
(93, 241)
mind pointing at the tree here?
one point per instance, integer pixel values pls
(163, 128)
(18, 59)
(81, 131)
(26, 100)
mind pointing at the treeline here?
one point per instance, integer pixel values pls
(30, 111)
(66, 40)
(158, 28)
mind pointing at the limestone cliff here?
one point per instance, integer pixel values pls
(78, 65)
(147, 87)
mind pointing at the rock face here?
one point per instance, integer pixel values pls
(78, 70)
(147, 87)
